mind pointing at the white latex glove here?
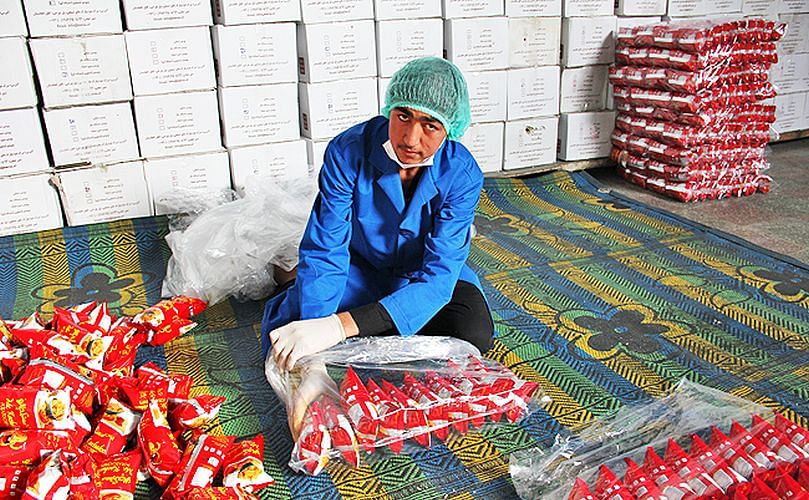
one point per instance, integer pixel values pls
(315, 381)
(295, 340)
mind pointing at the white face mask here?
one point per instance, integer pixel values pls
(388, 147)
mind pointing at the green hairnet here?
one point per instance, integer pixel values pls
(434, 86)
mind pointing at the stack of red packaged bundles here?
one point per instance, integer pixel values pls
(765, 461)
(419, 406)
(77, 420)
(690, 121)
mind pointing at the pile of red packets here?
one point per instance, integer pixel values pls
(422, 407)
(690, 123)
(77, 420)
(762, 462)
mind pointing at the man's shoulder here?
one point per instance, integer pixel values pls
(461, 161)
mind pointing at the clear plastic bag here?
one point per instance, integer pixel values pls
(380, 395)
(613, 447)
(230, 248)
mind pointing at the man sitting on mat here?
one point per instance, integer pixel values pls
(385, 247)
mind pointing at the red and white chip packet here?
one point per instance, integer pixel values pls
(152, 376)
(796, 434)
(48, 373)
(457, 408)
(433, 407)
(160, 450)
(195, 412)
(117, 475)
(776, 440)
(116, 425)
(32, 408)
(734, 455)
(80, 472)
(696, 477)
(244, 466)
(342, 434)
(360, 409)
(28, 446)
(669, 482)
(639, 483)
(415, 420)
(391, 429)
(311, 450)
(14, 478)
(803, 475)
(757, 450)
(580, 491)
(48, 480)
(714, 465)
(201, 462)
(787, 487)
(609, 486)
(755, 489)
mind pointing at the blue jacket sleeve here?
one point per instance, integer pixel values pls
(446, 248)
(324, 253)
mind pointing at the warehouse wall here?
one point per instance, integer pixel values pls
(104, 107)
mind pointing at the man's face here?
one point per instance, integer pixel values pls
(415, 136)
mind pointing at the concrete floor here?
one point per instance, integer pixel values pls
(778, 220)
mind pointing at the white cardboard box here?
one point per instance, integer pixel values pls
(687, 8)
(173, 124)
(534, 41)
(789, 112)
(22, 145)
(329, 108)
(793, 6)
(12, 19)
(82, 70)
(330, 11)
(170, 60)
(533, 92)
(255, 11)
(791, 74)
(485, 142)
(640, 7)
(28, 203)
(631, 22)
(387, 10)
(587, 8)
(17, 78)
(583, 89)
(796, 39)
(588, 41)
(805, 122)
(151, 14)
(315, 152)
(255, 54)
(585, 135)
(530, 143)
(397, 42)
(533, 8)
(71, 17)
(336, 51)
(382, 89)
(282, 160)
(259, 114)
(487, 95)
(96, 134)
(764, 8)
(721, 7)
(477, 44)
(207, 172)
(455, 9)
(101, 194)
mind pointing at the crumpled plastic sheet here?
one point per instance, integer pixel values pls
(229, 249)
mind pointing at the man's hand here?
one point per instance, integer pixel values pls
(315, 381)
(295, 340)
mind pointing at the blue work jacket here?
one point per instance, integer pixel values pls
(363, 243)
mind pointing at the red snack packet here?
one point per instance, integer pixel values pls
(469, 382)
(152, 376)
(696, 477)
(177, 327)
(12, 363)
(457, 409)
(755, 489)
(672, 485)
(14, 478)
(787, 487)
(609, 486)
(126, 336)
(188, 306)
(803, 475)
(32, 408)
(117, 476)
(638, 482)
(244, 465)
(196, 412)
(27, 446)
(796, 434)
(80, 473)
(342, 435)
(776, 441)
(360, 409)
(757, 450)
(313, 445)
(391, 418)
(139, 396)
(430, 403)
(713, 464)
(5, 335)
(200, 464)
(733, 455)
(47, 373)
(218, 493)
(160, 450)
(48, 480)
(112, 431)
(157, 315)
(580, 491)
(415, 420)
